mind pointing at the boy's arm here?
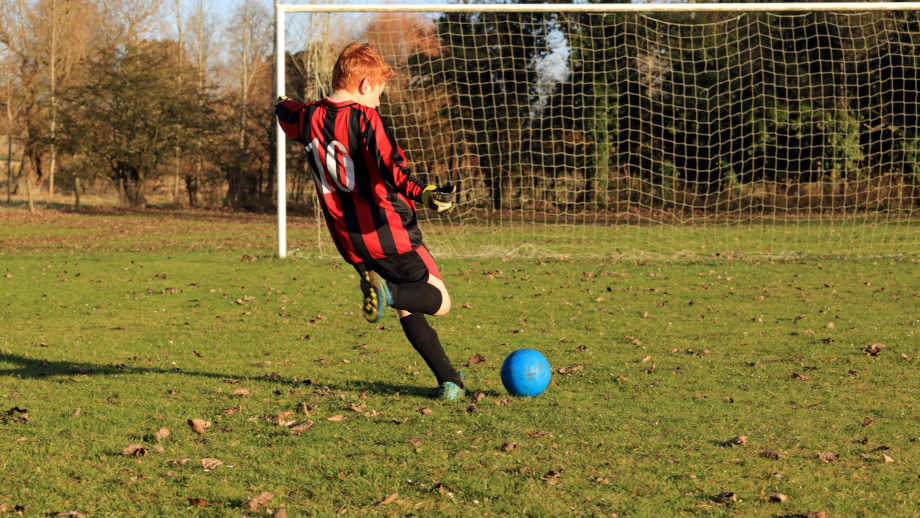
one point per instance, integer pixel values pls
(381, 144)
(290, 116)
(391, 161)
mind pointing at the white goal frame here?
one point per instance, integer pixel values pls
(281, 10)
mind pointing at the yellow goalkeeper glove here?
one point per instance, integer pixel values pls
(439, 199)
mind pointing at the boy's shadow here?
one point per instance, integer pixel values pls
(38, 369)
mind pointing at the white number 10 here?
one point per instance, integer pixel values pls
(333, 150)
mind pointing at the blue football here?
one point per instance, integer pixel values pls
(526, 373)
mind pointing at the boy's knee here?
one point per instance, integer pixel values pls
(445, 304)
(445, 297)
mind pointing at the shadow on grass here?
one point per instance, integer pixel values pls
(39, 369)
(384, 388)
(32, 368)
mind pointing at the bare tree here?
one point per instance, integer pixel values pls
(251, 39)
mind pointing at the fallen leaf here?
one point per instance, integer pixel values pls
(478, 396)
(301, 427)
(769, 454)
(198, 425)
(72, 514)
(335, 418)
(198, 502)
(243, 392)
(778, 497)
(816, 514)
(414, 441)
(874, 349)
(280, 513)
(162, 433)
(388, 500)
(425, 411)
(868, 422)
(209, 463)
(258, 502)
(887, 459)
(358, 408)
(565, 371)
(551, 477)
(740, 440)
(478, 358)
(134, 450)
(509, 446)
(828, 456)
(725, 497)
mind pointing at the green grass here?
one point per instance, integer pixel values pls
(145, 322)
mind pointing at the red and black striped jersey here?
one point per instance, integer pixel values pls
(365, 188)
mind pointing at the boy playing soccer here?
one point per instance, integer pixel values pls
(368, 199)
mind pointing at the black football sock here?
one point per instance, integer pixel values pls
(425, 340)
(416, 297)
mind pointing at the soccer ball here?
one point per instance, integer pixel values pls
(525, 372)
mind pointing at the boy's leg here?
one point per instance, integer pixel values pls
(416, 288)
(425, 293)
(425, 340)
(429, 297)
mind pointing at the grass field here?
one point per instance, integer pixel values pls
(680, 387)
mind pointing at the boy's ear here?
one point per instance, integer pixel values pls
(364, 86)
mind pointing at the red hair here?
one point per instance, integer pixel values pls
(357, 62)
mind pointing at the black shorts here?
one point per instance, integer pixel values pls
(412, 266)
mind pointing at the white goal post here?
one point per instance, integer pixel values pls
(834, 176)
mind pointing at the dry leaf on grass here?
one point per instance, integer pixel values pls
(778, 497)
(565, 371)
(72, 514)
(243, 392)
(258, 502)
(478, 396)
(739, 440)
(769, 454)
(162, 433)
(551, 477)
(301, 427)
(280, 513)
(509, 446)
(134, 450)
(874, 349)
(335, 418)
(199, 425)
(828, 456)
(209, 463)
(425, 411)
(477, 358)
(725, 497)
(867, 422)
(388, 500)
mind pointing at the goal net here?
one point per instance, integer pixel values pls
(667, 130)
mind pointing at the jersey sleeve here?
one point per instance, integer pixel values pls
(390, 159)
(290, 116)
